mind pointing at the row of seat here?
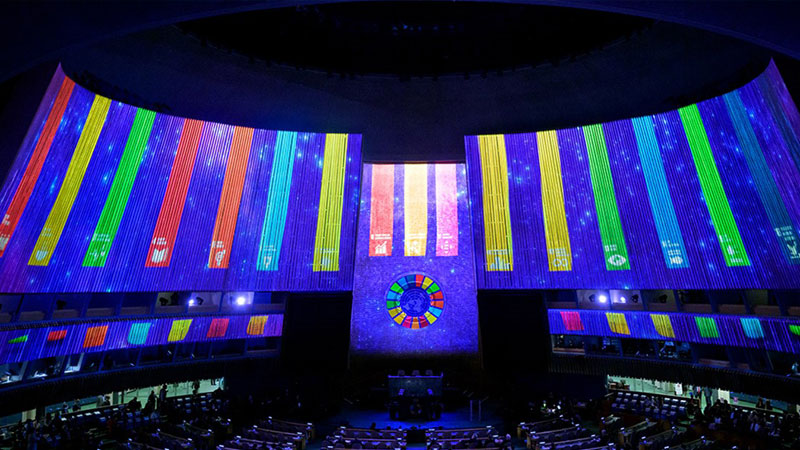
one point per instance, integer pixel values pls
(657, 407)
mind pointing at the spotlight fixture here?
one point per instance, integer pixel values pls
(602, 299)
(240, 301)
(199, 301)
(622, 299)
(191, 302)
(591, 298)
(163, 301)
(662, 298)
(635, 298)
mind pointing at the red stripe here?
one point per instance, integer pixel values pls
(381, 215)
(218, 328)
(56, 335)
(572, 320)
(31, 174)
(228, 210)
(169, 218)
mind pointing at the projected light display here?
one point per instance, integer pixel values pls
(105, 196)
(702, 197)
(414, 284)
(414, 301)
(19, 343)
(765, 333)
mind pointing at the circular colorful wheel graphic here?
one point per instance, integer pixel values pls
(415, 301)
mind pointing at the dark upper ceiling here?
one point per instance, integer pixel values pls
(35, 32)
(414, 39)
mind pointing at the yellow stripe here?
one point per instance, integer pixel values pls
(331, 197)
(400, 318)
(617, 323)
(54, 226)
(559, 254)
(496, 215)
(179, 330)
(663, 325)
(426, 282)
(431, 318)
(256, 325)
(415, 208)
(395, 311)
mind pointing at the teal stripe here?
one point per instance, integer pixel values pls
(280, 181)
(763, 179)
(669, 232)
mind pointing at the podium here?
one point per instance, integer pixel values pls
(415, 396)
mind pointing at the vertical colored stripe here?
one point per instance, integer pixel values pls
(256, 325)
(117, 199)
(280, 182)
(763, 179)
(559, 253)
(95, 336)
(56, 335)
(415, 208)
(663, 325)
(331, 199)
(717, 202)
(179, 330)
(54, 226)
(617, 323)
(752, 328)
(605, 200)
(381, 210)
(18, 340)
(138, 333)
(780, 111)
(446, 210)
(218, 328)
(169, 217)
(496, 209)
(669, 232)
(572, 320)
(25, 188)
(231, 196)
(707, 327)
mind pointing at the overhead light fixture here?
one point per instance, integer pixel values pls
(241, 300)
(602, 299)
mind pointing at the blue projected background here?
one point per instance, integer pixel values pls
(705, 197)
(414, 286)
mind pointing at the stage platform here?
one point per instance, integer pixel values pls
(363, 418)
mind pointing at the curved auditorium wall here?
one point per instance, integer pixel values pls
(765, 333)
(105, 196)
(44, 340)
(705, 197)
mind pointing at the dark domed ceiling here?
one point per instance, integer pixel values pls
(414, 38)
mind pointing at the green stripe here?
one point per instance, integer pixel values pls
(727, 232)
(707, 327)
(117, 198)
(18, 340)
(795, 329)
(605, 200)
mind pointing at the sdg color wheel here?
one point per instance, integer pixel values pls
(415, 301)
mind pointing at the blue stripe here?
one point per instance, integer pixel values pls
(763, 180)
(280, 181)
(669, 232)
